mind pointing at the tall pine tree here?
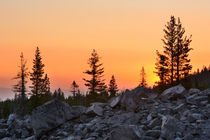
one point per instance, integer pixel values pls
(36, 76)
(174, 63)
(96, 84)
(20, 87)
(169, 42)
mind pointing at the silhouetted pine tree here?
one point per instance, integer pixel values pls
(113, 87)
(175, 54)
(37, 79)
(96, 84)
(59, 94)
(74, 88)
(20, 87)
(37, 74)
(143, 82)
(169, 45)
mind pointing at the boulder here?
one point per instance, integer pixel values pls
(193, 91)
(194, 116)
(51, 115)
(131, 99)
(170, 127)
(154, 122)
(153, 133)
(173, 93)
(124, 132)
(11, 118)
(114, 101)
(96, 109)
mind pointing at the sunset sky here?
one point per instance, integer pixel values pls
(125, 33)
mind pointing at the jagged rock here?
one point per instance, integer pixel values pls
(31, 138)
(173, 93)
(195, 116)
(3, 120)
(170, 127)
(51, 115)
(153, 133)
(7, 138)
(3, 126)
(193, 91)
(197, 99)
(96, 109)
(205, 92)
(114, 101)
(188, 137)
(128, 102)
(131, 99)
(180, 107)
(124, 118)
(124, 132)
(154, 122)
(11, 118)
(3, 133)
(147, 138)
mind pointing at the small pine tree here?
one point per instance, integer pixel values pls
(96, 84)
(143, 82)
(20, 87)
(113, 89)
(74, 88)
(59, 94)
(46, 85)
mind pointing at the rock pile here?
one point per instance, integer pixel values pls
(139, 114)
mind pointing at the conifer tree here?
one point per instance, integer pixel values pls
(20, 87)
(143, 82)
(176, 63)
(113, 89)
(74, 88)
(46, 85)
(96, 84)
(37, 74)
(169, 42)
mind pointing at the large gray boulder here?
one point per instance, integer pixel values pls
(51, 115)
(130, 99)
(113, 102)
(126, 132)
(96, 109)
(170, 127)
(173, 93)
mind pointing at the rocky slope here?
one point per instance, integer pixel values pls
(139, 114)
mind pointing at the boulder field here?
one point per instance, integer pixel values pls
(139, 114)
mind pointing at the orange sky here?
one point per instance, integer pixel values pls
(125, 33)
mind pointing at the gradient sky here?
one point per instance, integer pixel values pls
(125, 33)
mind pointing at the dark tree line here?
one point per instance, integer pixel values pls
(25, 101)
